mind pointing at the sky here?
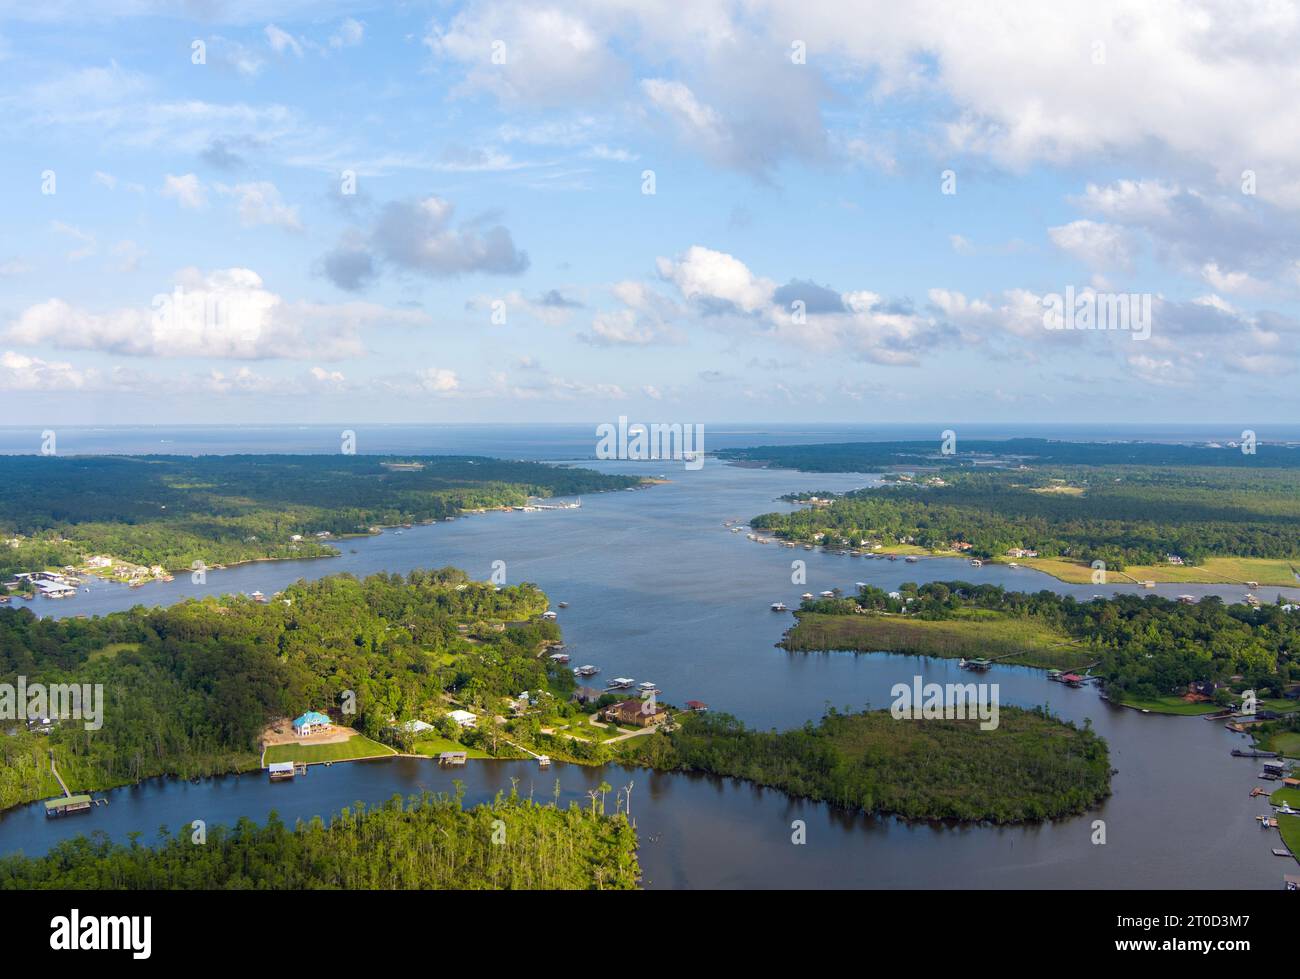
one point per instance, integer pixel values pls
(769, 210)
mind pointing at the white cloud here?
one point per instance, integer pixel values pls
(350, 33)
(187, 190)
(1099, 246)
(227, 313)
(86, 245)
(282, 41)
(717, 280)
(259, 203)
(21, 373)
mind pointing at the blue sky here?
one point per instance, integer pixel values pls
(500, 259)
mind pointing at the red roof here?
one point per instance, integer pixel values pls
(1071, 676)
(696, 705)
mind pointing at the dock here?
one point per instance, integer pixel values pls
(454, 759)
(67, 802)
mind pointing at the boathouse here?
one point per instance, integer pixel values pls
(454, 758)
(67, 804)
(279, 770)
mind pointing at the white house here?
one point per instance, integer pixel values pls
(311, 722)
(463, 717)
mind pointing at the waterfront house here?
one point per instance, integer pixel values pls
(696, 705)
(463, 717)
(312, 722)
(640, 713)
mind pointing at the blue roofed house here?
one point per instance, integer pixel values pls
(311, 722)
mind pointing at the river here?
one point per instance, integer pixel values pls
(658, 589)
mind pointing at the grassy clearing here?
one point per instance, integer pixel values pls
(434, 746)
(1286, 742)
(1289, 829)
(1014, 641)
(356, 746)
(1169, 704)
(1215, 571)
(113, 648)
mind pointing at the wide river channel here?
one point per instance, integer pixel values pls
(658, 589)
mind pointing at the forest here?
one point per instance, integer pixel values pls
(428, 843)
(1031, 767)
(1144, 646)
(1123, 516)
(188, 689)
(875, 456)
(175, 510)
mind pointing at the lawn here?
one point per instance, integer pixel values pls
(1014, 641)
(1290, 796)
(1169, 704)
(435, 745)
(1289, 828)
(1286, 742)
(1214, 571)
(356, 746)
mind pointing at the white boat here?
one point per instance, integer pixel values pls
(1285, 810)
(779, 607)
(828, 594)
(807, 596)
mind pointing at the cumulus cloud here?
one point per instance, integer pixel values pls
(717, 281)
(1099, 246)
(419, 236)
(227, 313)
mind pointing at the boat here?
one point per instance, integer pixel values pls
(779, 607)
(976, 563)
(587, 670)
(562, 605)
(828, 594)
(979, 665)
(1285, 810)
(807, 596)
(911, 559)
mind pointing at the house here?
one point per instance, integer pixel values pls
(312, 722)
(463, 717)
(641, 713)
(1173, 559)
(1021, 552)
(586, 695)
(697, 706)
(415, 727)
(100, 561)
